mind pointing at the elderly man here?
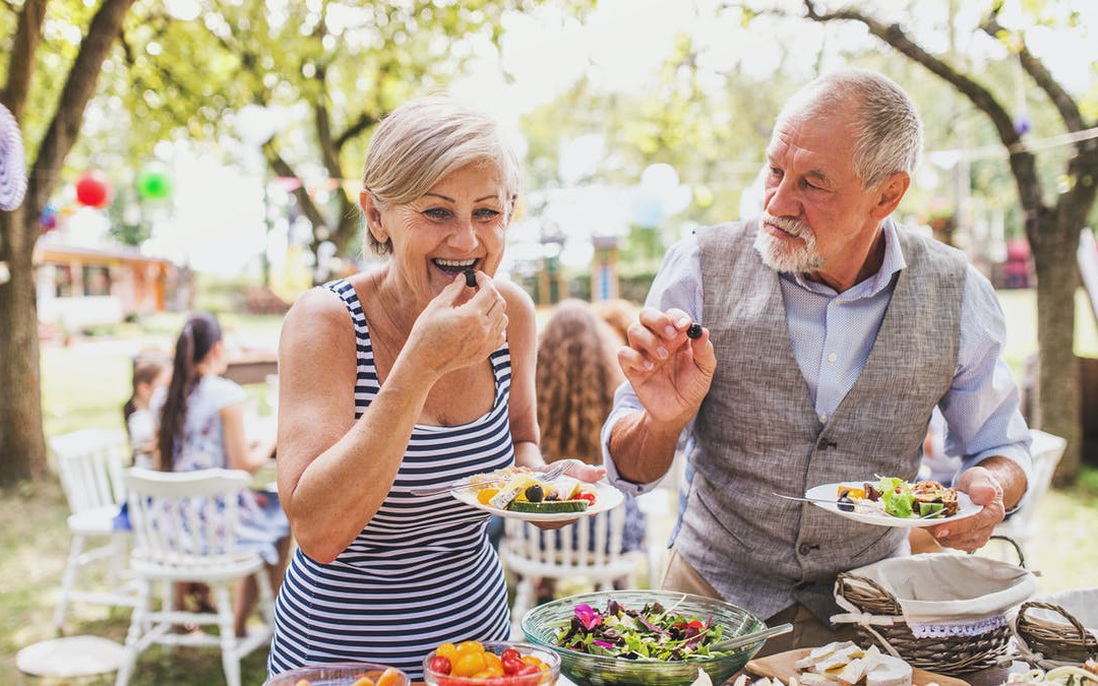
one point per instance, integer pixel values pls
(831, 333)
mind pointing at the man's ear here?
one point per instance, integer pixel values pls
(889, 194)
(373, 216)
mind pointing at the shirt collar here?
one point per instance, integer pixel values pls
(892, 263)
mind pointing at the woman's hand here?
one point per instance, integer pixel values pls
(456, 330)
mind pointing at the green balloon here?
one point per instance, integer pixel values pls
(153, 184)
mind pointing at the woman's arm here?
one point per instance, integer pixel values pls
(523, 344)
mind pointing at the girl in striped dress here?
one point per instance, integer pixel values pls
(398, 378)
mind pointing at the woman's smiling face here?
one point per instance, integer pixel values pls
(458, 224)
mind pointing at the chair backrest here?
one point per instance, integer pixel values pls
(1047, 449)
(185, 518)
(90, 464)
(592, 544)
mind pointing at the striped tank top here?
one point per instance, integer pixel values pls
(422, 571)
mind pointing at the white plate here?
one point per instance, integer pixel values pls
(606, 498)
(871, 515)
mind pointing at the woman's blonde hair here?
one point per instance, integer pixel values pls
(577, 373)
(426, 139)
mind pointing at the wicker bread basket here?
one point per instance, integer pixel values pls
(944, 654)
(961, 630)
(1049, 635)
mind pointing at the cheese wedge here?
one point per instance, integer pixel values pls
(889, 671)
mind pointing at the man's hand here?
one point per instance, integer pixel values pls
(669, 371)
(972, 533)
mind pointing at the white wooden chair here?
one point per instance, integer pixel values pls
(90, 463)
(585, 550)
(184, 526)
(1047, 450)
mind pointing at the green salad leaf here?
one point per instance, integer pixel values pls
(651, 633)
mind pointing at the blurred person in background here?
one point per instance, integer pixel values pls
(201, 426)
(150, 377)
(577, 373)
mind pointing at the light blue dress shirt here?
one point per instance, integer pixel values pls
(832, 334)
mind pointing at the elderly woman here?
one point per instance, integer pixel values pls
(409, 375)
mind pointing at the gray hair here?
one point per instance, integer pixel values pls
(890, 132)
(424, 140)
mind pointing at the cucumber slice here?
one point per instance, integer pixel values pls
(930, 509)
(548, 506)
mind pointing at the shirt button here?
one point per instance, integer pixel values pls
(832, 357)
(804, 549)
(823, 418)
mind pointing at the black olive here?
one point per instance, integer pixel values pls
(695, 331)
(535, 493)
(470, 278)
(845, 503)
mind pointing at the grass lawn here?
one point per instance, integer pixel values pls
(85, 385)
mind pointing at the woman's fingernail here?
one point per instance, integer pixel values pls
(670, 332)
(943, 534)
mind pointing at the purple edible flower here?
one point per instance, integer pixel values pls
(588, 615)
(604, 644)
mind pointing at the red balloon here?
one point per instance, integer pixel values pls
(93, 189)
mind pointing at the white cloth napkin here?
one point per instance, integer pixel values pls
(947, 594)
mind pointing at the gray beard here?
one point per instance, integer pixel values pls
(783, 257)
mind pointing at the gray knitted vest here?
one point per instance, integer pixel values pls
(757, 432)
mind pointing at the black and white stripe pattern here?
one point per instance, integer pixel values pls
(422, 572)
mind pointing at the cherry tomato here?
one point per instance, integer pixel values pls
(364, 681)
(440, 664)
(585, 495)
(468, 664)
(509, 654)
(527, 669)
(447, 650)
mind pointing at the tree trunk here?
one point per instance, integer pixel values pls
(22, 443)
(1057, 409)
(22, 440)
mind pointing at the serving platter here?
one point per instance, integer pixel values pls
(781, 666)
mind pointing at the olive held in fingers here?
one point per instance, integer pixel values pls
(470, 278)
(694, 331)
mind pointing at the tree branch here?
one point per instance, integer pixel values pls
(283, 168)
(1063, 102)
(105, 28)
(364, 121)
(1022, 162)
(22, 58)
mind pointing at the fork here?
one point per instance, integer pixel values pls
(550, 474)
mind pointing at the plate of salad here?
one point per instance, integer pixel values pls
(891, 501)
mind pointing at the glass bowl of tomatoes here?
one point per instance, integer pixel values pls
(491, 663)
(342, 674)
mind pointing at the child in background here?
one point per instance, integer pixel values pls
(150, 375)
(200, 425)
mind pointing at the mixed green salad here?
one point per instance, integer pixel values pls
(651, 633)
(924, 499)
